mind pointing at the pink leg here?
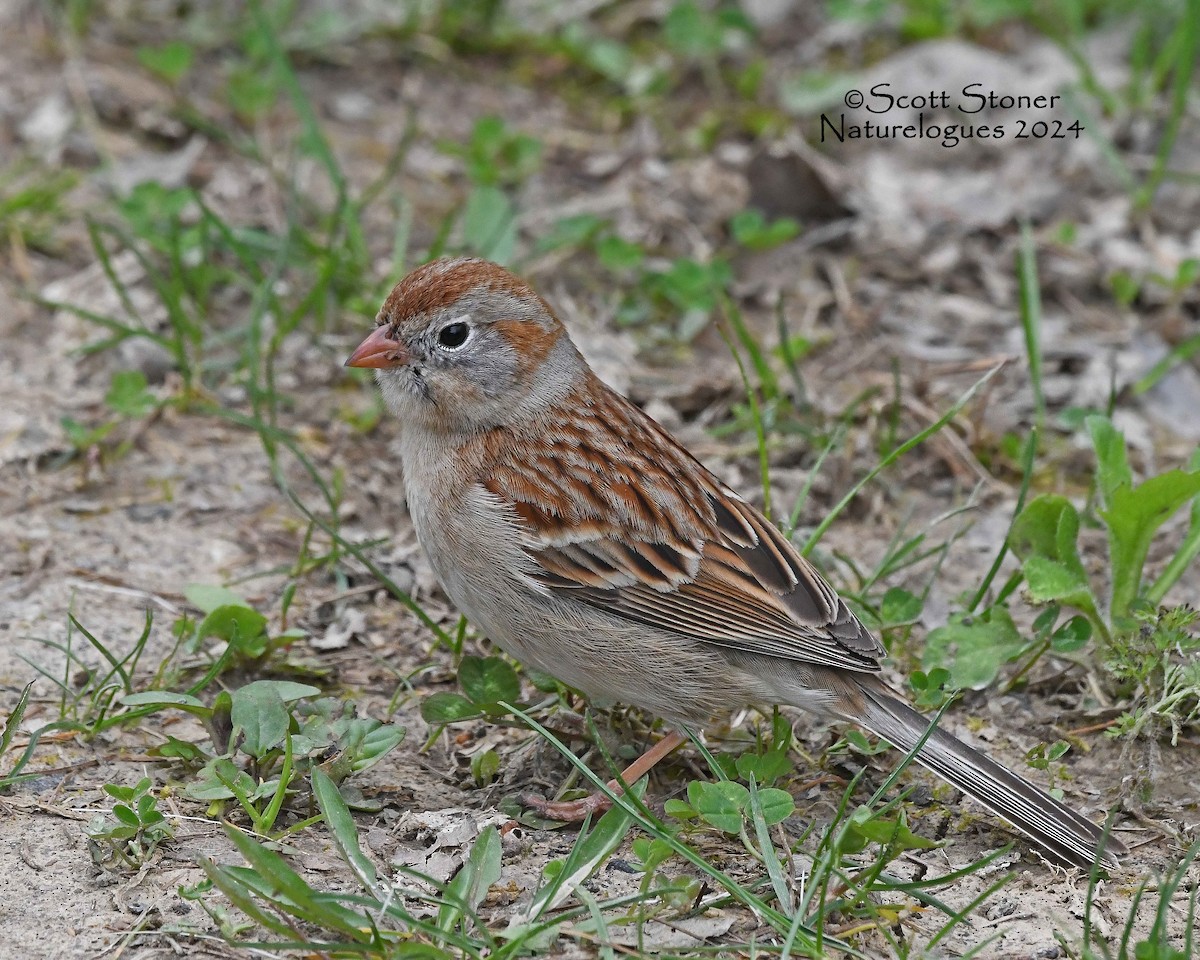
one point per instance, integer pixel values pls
(572, 811)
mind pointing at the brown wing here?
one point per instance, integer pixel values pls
(659, 540)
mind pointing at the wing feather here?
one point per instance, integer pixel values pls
(660, 541)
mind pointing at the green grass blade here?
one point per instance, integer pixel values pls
(470, 885)
(1031, 319)
(1181, 561)
(1187, 38)
(1027, 460)
(767, 848)
(589, 852)
(343, 830)
(760, 434)
(13, 722)
(833, 443)
(655, 828)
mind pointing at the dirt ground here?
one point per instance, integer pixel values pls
(903, 274)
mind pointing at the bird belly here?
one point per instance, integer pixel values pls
(478, 554)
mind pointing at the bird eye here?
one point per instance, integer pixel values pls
(454, 335)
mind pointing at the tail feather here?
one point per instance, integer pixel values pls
(1068, 835)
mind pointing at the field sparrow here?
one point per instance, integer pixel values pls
(580, 537)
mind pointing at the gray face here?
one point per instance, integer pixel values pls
(464, 371)
(455, 353)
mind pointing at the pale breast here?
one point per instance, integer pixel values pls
(470, 537)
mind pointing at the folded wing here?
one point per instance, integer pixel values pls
(663, 543)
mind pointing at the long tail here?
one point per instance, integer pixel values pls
(1060, 830)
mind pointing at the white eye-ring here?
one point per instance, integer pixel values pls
(455, 334)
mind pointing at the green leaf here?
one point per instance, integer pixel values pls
(128, 396)
(813, 91)
(793, 349)
(82, 437)
(150, 207)
(1050, 580)
(484, 767)
(899, 606)
(1044, 622)
(179, 750)
(490, 224)
(1125, 287)
(1072, 635)
(303, 746)
(777, 805)
(764, 767)
(13, 721)
(619, 255)
(488, 680)
(259, 712)
(497, 155)
(868, 826)
(1157, 949)
(290, 691)
(720, 804)
(377, 744)
(448, 708)
(727, 764)
(125, 815)
(751, 230)
(691, 31)
(610, 58)
(571, 232)
(1133, 517)
(1045, 537)
(1112, 465)
(164, 698)
(251, 92)
(929, 688)
(273, 881)
(1047, 527)
(651, 853)
(679, 809)
(974, 648)
(471, 884)
(590, 851)
(212, 781)
(208, 598)
(1041, 756)
(239, 626)
(691, 285)
(1186, 275)
(1188, 550)
(170, 61)
(341, 825)
(264, 790)
(763, 811)
(857, 741)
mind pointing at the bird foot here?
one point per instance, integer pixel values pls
(568, 811)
